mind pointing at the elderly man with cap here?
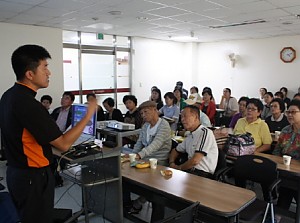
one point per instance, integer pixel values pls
(154, 142)
(155, 139)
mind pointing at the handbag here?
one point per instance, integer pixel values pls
(239, 145)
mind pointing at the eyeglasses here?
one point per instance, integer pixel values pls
(291, 112)
(251, 109)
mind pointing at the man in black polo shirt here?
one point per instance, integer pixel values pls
(28, 134)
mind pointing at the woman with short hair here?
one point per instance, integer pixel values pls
(242, 111)
(277, 121)
(254, 125)
(268, 97)
(170, 110)
(112, 113)
(289, 144)
(208, 106)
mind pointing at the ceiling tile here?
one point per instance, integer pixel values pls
(166, 11)
(159, 18)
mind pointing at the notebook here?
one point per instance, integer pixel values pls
(89, 132)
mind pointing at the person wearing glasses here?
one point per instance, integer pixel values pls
(289, 144)
(254, 125)
(277, 121)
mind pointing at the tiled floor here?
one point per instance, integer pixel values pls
(69, 196)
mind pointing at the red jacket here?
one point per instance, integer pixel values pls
(210, 112)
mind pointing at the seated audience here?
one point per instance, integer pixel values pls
(254, 125)
(153, 87)
(288, 144)
(155, 139)
(100, 112)
(154, 142)
(208, 106)
(209, 89)
(230, 105)
(46, 101)
(200, 144)
(196, 98)
(262, 92)
(194, 90)
(284, 91)
(156, 97)
(297, 96)
(277, 121)
(63, 115)
(242, 112)
(185, 92)
(170, 110)
(278, 94)
(268, 97)
(180, 100)
(112, 113)
(196, 101)
(132, 116)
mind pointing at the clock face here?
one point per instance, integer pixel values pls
(287, 54)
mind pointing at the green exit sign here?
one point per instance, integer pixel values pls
(100, 36)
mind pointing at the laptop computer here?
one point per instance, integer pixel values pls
(89, 132)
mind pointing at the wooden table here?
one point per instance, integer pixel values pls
(290, 176)
(218, 200)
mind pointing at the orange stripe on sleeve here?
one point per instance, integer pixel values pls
(33, 151)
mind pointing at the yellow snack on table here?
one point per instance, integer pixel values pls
(142, 165)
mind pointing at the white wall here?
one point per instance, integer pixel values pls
(258, 65)
(163, 63)
(160, 63)
(12, 36)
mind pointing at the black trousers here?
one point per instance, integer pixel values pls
(200, 173)
(286, 196)
(32, 191)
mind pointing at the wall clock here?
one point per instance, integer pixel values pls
(288, 54)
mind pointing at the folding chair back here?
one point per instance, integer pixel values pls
(263, 171)
(257, 169)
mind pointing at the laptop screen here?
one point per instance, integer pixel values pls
(78, 112)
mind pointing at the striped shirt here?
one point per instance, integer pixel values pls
(202, 140)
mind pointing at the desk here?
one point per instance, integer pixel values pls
(290, 176)
(217, 200)
(100, 179)
(119, 134)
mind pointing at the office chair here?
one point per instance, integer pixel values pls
(186, 215)
(221, 168)
(263, 171)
